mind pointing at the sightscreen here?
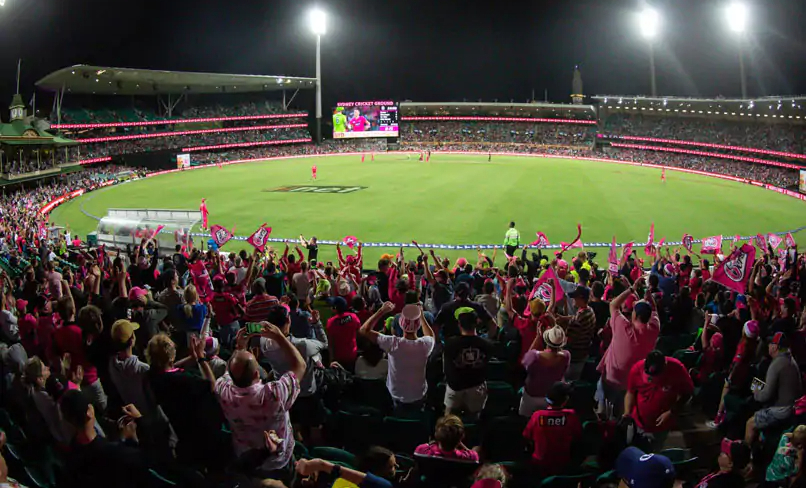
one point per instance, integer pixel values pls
(802, 181)
(365, 119)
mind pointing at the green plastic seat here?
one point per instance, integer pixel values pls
(404, 435)
(334, 454)
(497, 370)
(570, 481)
(501, 398)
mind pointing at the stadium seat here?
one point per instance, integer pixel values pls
(447, 473)
(159, 481)
(497, 370)
(404, 435)
(501, 399)
(358, 431)
(372, 393)
(582, 400)
(503, 439)
(334, 454)
(571, 481)
(688, 358)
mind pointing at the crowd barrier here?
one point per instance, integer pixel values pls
(58, 201)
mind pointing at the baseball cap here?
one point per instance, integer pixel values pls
(654, 363)
(669, 269)
(582, 292)
(562, 263)
(339, 303)
(737, 451)
(138, 294)
(780, 339)
(555, 337)
(643, 310)
(123, 330)
(459, 311)
(717, 340)
(210, 345)
(640, 470)
(487, 483)
(22, 305)
(751, 329)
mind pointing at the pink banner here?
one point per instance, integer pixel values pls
(711, 245)
(734, 272)
(688, 242)
(541, 242)
(350, 241)
(649, 249)
(542, 288)
(774, 240)
(259, 239)
(790, 240)
(220, 234)
(761, 242)
(612, 258)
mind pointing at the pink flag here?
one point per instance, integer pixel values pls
(612, 258)
(572, 245)
(220, 234)
(688, 242)
(649, 249)
(790, 240)
(541, 242)
(350, 241)
(712, 245)
(761, 242)
(774, 240)
(260, 237)
(542, 289)
(627, 249)
(734, 272)
(575, 243)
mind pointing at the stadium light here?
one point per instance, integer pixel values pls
(737, 16)
(649, 24)
(318, 21)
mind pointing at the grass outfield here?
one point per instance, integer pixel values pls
(454, 199)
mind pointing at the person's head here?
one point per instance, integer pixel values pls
(278, 315)
(597, 290)
(462, 291)
(641, 312)
(654, 281)
(558, 395)
(356, 113)
(410, 320)
(259, 287)
(379, 461)
(580, 296)
(468, 320)
(161, 352)
(77, 410)
(488, 287)
(555, 338)
(789, 308)
(750, 330)
(339, 305)
(122, 334)
(778, 344)
(90, 320)
(303, 266)
(218, 284)
(36, 373)
(191, 298)
(383, 264)
(734, 455)
(177, 248)
(243, 369)
(138, 297)
(512, 225)
(170, 279)
(449, 433)
(798, 437)
(442, 276)
(490, 476)
(291, 258)
(66, 308)
(584, 276)
(313, 240)
(654, 365)
(638, 469)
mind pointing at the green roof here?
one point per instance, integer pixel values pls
(14, 133)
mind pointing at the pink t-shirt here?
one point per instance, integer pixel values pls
(258, 408)
(433, 449)
(358, 123)
(630, 344)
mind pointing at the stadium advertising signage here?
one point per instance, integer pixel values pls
(365, 119)
(802, 181)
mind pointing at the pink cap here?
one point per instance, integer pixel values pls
(461, 262)
(751, 329)
(562, 263)
(138, 293)
(717, 340)
(487, 483)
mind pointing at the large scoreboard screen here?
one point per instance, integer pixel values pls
(802, 181)
(365, 119)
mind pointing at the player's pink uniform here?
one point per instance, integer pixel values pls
(358, 124)
(663, 175)
(313, 171)
(203, 209)
(362, 157)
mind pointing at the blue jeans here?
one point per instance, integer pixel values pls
(226, 334)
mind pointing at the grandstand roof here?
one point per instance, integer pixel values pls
(498, 109)
(98, 80)
(770, 109)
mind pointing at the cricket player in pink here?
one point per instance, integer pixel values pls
(203, 209)
(663, 175)
(358, 123)
(362, 157)
(313, 172)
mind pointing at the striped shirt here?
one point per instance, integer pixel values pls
(257, 309)
(580, 334)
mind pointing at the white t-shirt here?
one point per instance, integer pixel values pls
(407, 361)
(366, 371)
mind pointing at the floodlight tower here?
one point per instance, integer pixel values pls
(737, 16)
(318, 21)
(649, 23)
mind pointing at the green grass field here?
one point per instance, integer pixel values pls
(454, 199)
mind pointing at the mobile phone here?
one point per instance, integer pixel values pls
(254, 328)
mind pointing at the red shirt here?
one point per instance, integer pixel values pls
(70, 339)
(341, 330)
(652, 398)
(28, 335)
(553, 432)
(257, 310)
(224, 308)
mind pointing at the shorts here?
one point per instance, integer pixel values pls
(471, 400)
(770, 417)
(530, 405)
(308, 411)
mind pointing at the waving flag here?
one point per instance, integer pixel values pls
(612, 258)
(712, 245)
(761, 242)
(688, 242)
(220, 234)
(649, 249)
(542, 288)
(260, 237)
(541, 242)
(350, 241)
(790, 240)
(734, 272)
(564, 246)
(627, 249)
(774, 240)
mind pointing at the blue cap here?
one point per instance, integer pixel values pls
(640, 470)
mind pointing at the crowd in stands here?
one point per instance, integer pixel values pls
(495, 132)
(143, 114)
(775, 136)
(330, 146)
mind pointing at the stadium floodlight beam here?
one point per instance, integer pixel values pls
(737, 16)
(319, 27)
(649, 23)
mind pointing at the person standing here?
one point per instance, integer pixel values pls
(204, 212)
(512, 239)
(465, 359)
(312, 246)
